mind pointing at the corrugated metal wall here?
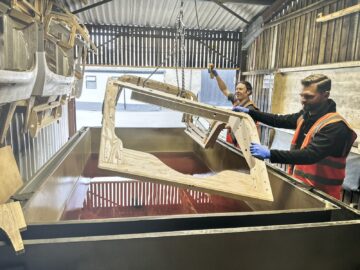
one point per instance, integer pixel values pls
(150, 13)
(150, 47)
(32, 153)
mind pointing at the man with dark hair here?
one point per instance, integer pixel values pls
(321, 142)
(241, 97)
(242, 93)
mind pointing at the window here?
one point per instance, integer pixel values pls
(90, 82)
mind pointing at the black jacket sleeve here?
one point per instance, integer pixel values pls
(251, 107)
(281, 121)
(329, 141)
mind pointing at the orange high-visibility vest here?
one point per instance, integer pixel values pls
(328, 174)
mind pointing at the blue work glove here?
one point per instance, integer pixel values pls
(240, 109)
(213, 73)
(259, 151)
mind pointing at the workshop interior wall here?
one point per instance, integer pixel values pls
(294, 39)
(344, 91)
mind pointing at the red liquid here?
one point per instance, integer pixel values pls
(115, 196)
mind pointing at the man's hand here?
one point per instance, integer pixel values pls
(259, 151)
(213, 73)
(240, 109)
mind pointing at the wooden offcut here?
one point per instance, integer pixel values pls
(12, 221)
(10, 179)
(230, 183)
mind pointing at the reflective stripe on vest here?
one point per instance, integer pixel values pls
(329, 173)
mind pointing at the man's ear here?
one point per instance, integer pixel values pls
(326, 94)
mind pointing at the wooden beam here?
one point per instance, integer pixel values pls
(300, 12)
(338, 14)
(250, 2)
(350, 64)
(259, 72)
(205, 138)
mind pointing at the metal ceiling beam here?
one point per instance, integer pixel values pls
(231, 11)
(91, 6)
(256, 26)
(270, 11)
(250, 2)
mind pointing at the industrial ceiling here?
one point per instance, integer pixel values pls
(210, 15)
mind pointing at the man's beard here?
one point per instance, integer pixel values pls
(308, 107)
(313, 107)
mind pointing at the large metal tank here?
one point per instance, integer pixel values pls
(301, 229)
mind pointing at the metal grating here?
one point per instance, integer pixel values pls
(136, 193)
(149, 47)
(32, 153)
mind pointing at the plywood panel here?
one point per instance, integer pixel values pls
(12, 221)
(114, 156)
(10, 179)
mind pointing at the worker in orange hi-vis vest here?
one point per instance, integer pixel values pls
(321, 142)
(241, 97)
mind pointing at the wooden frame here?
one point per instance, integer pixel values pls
(205, 138)
(113, 156)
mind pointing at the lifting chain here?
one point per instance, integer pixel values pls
(180, 38)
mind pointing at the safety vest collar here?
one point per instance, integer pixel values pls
(247, 103)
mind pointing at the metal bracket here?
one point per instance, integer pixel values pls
(22, 197)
